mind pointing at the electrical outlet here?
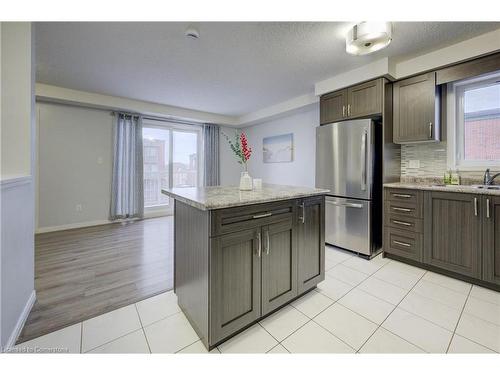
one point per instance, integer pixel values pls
(99, 160)
(79, 207)
(414, 164)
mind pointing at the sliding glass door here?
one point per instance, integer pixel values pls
(172, 155)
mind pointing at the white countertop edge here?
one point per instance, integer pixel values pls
(445, 188)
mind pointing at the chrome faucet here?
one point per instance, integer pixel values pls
(488, 178)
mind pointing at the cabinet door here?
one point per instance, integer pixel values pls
(279, 265)
(452, 232)
(491, 239)
(235, 270)
(311, 243)
(365, 99)
(333, 107)
(416, 109)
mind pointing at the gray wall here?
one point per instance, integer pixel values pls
(74, 164)
(17, 193)
(301, 171)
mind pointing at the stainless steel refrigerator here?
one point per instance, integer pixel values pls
(345, 163)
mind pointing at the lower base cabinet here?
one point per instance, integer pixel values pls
(491, 240)
(235, 282)
(461, 233)
(452, 232)
(311, 243)
(255, 271)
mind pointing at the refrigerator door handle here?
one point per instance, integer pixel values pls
(363, 160)
(350, 205)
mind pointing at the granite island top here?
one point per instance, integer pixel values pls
(447, 188)
(216, 197)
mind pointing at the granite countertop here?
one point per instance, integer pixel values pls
(436, 187)
(215, 197)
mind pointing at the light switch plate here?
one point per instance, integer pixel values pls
(414, 164)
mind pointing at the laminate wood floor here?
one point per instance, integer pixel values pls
(82, 273)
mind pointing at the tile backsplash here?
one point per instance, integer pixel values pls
(433, 164)
(432, 158)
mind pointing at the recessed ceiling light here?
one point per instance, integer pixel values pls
(192, 32)
(368, 37)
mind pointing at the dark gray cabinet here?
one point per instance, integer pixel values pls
(491, 239)
(261, 257)
(452, 232)
(416, 109)
(361, 100)
(365, 99)
(235, 279)
(403, 223)
(333, 107)
(311, 242)
(279, 265)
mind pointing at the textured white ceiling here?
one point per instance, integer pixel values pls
(233, 69)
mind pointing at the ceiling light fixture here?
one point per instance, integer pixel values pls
(368, 37)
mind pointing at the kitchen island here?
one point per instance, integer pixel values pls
(240, 255)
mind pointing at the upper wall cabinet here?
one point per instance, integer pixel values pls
(333, 107)
(357, 101)
(416, 107)
(365, 99)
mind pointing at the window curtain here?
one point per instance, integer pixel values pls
(211, 160)
(127, 192)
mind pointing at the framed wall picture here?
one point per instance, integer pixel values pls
(278, 148)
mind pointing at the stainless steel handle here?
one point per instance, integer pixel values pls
(363, 161)
(303, 217)
(475, 206)
(259, 243)
(401, 243)
(401, 209)
(348, 110)
(401, 223)
(267, 242)
(402, 195)
(430, 129)
(488, 208)
(261, 215)
(343, 111)
(351, 205)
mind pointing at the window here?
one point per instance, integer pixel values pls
(171, 155)
(476, 104)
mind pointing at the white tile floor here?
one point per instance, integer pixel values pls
(377, 306)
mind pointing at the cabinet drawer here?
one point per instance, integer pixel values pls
(403, 243)
(406, 223)
(406, 209)
(404, 195)
(235, 219)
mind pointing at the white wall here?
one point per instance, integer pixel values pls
(74, 164)
(301, 171)
(230, 170)
(16, 99)
(17, 194)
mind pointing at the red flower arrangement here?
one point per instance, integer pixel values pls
(240, 148)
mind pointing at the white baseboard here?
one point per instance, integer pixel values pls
(20, 322)
(72, 226)
(147, 215)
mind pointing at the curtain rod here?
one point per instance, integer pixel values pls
(158, 118)
(115, 110)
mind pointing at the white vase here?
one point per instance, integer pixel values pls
(245, 181)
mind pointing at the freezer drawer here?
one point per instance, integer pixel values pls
(348, 224)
